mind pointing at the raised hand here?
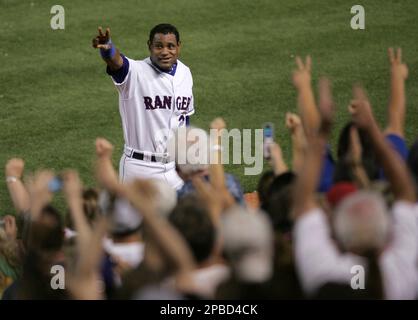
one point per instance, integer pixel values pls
(40, 195)
(218, 124)
(302, 75)
(72, 187)
(293, 122)
(326, 105)
(101, 41)
(398, 68)
(360, 109)
(103, 147)
(10, 227)
(14, 168)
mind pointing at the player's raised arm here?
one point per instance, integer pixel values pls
(108, 51)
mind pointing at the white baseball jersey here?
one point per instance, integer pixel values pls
(152, 102)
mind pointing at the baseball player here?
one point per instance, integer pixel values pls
(155, 97)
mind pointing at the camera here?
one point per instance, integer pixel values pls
(55, 184)
(268, 139)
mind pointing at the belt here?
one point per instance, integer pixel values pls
(146, 157)
(141, 156)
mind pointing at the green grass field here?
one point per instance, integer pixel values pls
(56, 99)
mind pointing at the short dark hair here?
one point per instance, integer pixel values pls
(263, 186)
(280, 202)
(343, 170)
(192, 220)
(47, 235)
(164, 28)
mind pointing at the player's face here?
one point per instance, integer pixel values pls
(164, 50)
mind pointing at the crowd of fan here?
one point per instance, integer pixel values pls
(314, 224)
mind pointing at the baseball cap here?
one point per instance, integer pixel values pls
(166, 197)
(339, 191)
(125, 218)
(248, 241)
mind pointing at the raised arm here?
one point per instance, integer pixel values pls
(141, 194)
(108, 51)
(397, 104)
(308, 176)
(306, 99)
(394, 168)
(18, 193)
(294, 124)
(83, 280)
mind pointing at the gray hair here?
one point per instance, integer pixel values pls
(361, 222)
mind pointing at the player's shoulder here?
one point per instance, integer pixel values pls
(182, 69)
(182, 65)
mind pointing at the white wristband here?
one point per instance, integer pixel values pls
(217, 147)
(10, 179)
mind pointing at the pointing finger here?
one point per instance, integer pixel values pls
(299, 63)
(391, 55)
(359, 93)
(399, 55)
(308, 63)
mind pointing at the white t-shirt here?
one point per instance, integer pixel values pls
(152, 102)
(319, 261)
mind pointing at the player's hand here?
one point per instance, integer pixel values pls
(360, 109)
(302, 75)
(14, 168)
(103, 148)
(398, 69)
(100, 41)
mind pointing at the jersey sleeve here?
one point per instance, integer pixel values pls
(124, 78)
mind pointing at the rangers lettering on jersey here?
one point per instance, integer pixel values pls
(164, 102)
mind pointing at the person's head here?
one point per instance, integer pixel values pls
(248, 244)
(264, 185)
(361, 223)
(47, 233)
(189, 147)
(91, 207)
(164, 45)
(343, 169)
(280, 202)
(191, 218)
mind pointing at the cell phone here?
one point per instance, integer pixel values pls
(268, 138)
(55, 184)
(2, 223)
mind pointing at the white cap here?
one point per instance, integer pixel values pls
(166, 197)
(248, 240)
(125, 217)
